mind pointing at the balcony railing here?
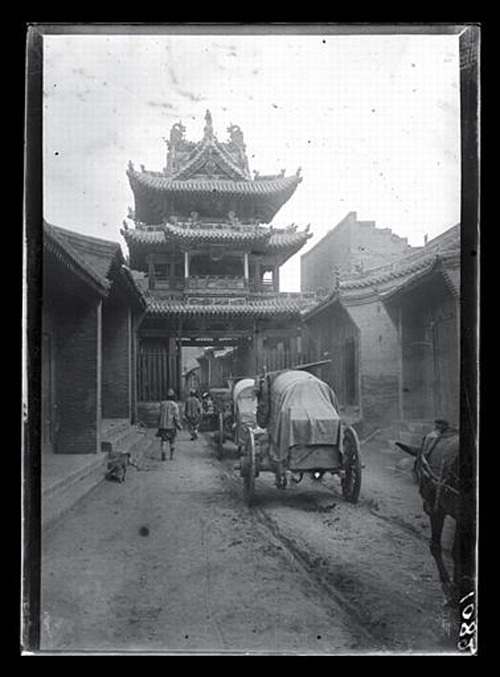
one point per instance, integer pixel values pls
(175, 284)
(262, 286)
(214, 283)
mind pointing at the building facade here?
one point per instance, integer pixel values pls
(90, 312)
(392, 335)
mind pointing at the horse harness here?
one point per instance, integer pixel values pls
(440, 482)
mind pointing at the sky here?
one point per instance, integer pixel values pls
(372, 120)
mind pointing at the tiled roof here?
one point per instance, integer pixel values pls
(158, 197)
(100, 254)
(186, 158)
(133, 286)
(93, 258)
(452, 276)
(214, 152)
(134, 236)
(55, 240)
(390, 281)
(256, 309)
(159, 182)
(223, 235)
(446, 245)
(263, 241)
(447, 267)
(287, 240)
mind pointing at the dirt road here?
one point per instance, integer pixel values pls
(173, 561)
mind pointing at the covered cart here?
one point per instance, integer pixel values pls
(299, 430)
(244, 411)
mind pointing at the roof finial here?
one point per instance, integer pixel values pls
(209, 130)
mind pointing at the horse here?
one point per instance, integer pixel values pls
(436, 470)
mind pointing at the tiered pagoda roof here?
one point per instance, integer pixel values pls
(209, 177)
(206, 199)
(255, 239)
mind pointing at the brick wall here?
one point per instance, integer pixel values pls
(133, 367)
(78, 378)
(326, 336)
(351, 246)
(116, 360)
(429, 323)
(48, 384)
(379, 362)
(318, 265)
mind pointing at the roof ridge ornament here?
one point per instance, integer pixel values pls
(236, 136)
(208, 131)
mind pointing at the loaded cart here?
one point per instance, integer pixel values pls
(297, 430)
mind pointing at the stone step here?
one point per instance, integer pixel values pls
(113, 426)
(121, 438)
(128, 442)
(76, 477)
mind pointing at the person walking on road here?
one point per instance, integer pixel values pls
(193, 414)
(168, 424)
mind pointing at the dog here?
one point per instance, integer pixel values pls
(117, 467)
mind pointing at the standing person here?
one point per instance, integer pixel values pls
(168, 424)
(193, 414)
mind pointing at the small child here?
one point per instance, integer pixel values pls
(168, 425)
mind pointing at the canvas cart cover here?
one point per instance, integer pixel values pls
(304, 410)
(245, 401)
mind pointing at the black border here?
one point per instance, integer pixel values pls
(33, 203)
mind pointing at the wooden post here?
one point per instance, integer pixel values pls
(129, 364)
(255, 348)
(400, 365)
(151, 271)
(98, 376)
(293, 349)
(245, 266)
(276, 278)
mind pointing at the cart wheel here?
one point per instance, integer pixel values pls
(351, 482)
(249, 469)
(220, 438)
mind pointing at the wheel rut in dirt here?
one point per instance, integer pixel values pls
(383, 611)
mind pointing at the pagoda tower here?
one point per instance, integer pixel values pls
(202, 248)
